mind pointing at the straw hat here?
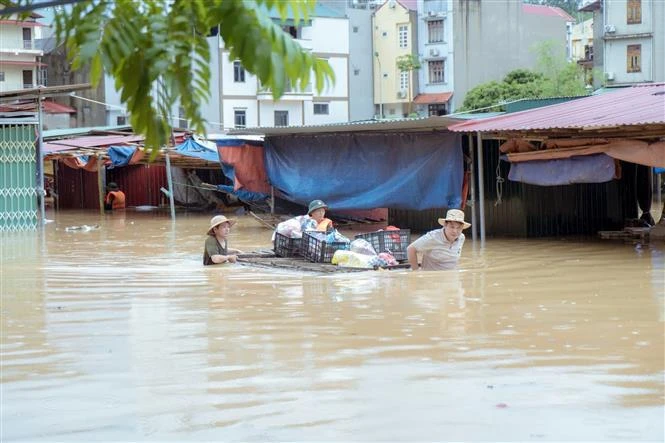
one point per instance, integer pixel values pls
(218, 220)
(454, 215)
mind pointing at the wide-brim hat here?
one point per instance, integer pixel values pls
(218, 220)
(316, 204)
(454, 215)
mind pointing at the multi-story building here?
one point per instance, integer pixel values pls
(20, 60)
(582, 47)
(466, 43)
(239, 100)
(628, 41)
(394, 25)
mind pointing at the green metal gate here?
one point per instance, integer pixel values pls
(18, 190)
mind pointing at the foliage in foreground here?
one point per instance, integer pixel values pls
(158, 55)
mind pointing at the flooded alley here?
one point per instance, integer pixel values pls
(117, 332)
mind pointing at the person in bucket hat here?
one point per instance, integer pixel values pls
(216, 249)
(441, 248)
(317, 212)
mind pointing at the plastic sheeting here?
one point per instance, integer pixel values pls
(192, 149)
(123, 155)
(598, 168)
(363, 171)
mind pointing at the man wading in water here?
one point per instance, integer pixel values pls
(441, 248)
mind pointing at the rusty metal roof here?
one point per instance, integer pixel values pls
(425, 99)
(635, 106)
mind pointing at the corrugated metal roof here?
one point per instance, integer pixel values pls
(638, 105)
(402, 124)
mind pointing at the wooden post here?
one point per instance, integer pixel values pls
(100, 182)
(272, 200)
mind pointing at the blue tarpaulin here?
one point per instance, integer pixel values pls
(598, 168)
(659, 170)
(193, 149)
(364, 171)
(120, 155)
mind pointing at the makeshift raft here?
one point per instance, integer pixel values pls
(268, 259)
(629, 234)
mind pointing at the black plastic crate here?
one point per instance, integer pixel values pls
(320, 251)
(287, 247)
(395, 242)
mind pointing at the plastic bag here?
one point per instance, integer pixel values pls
(362, 246)
(335, 236)
(350, 259)
(290, 228)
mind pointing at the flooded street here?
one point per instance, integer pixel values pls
(120, 333)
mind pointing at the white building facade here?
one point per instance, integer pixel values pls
(20, 66)
(239, 100)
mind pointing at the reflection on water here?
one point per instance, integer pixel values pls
(119, 333)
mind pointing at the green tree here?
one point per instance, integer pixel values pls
(408, 63)
(157, 51)
(554, 77)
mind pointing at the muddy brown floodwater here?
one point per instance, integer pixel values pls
(119, 333)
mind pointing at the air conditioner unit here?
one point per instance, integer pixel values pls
(609, 76)
(434, 52)
(432, 13)
(401, 94)
(610, 29)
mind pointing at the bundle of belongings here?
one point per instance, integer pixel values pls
(362, 255)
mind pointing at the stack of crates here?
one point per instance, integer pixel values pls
(394, 242)
(287, 247)
(319, 251)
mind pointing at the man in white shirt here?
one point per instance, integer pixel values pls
(441, 248)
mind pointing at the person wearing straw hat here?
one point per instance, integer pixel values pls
(216, 246)
(441, 248)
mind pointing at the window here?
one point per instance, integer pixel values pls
(121, 120)
(436, 71)
(435, 31)
(27, 38)
(321, 109)
(181, 118)
(238, 72)
(355, 29)
(403, 33)
(42, 77)
(2, 76)
(281, 118)
(436, 110)
(404, 80)
(634, 13)
(634, 58)
(292, 31)
(240, 118)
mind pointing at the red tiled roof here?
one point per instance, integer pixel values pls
(638, 105)
(20, 63)
(551, 11)
(425, 99)
(48, 107)
(22, 23)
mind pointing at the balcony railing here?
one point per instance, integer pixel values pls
(27, 44)
(289, 89)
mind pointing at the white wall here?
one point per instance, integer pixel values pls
(268, 108)
(616, 60)
(250, 106)
(337, 113)
(328, 35)
(617, 13)
(340, 66)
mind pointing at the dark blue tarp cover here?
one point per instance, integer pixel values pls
(364, 171)
(659, 170)
(120, 155)
(598, 168)
(193, 149)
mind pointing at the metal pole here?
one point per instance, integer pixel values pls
(272, 200)
(170, 183)
(472, 179)
(40, 159)
(481, 187)
(378, 61)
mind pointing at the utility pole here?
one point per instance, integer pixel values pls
(378, 60)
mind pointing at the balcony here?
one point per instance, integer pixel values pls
(290, 92)
(433, 8)
(18, 45)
